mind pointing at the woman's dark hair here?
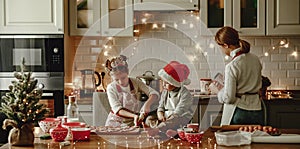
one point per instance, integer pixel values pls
(230, 36)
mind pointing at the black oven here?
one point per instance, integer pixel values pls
(44, 57)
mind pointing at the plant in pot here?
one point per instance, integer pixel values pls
(22, 108)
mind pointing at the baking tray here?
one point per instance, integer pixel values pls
(283, 138)
(118, 131)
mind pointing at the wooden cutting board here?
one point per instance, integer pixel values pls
(228, 127)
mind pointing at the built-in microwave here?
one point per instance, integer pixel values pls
(42, 53)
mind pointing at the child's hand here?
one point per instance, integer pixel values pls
(142, 116)
(161, 117)
(136, 120)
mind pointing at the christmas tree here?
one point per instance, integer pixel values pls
(21, 104)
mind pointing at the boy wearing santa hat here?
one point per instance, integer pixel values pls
(175, 106)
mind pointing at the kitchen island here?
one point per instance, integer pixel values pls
(141, 140)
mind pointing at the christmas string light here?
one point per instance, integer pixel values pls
(281, 44)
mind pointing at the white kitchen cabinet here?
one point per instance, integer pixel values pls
(84, 17)
(163, 5)
(283, 17)
(116, 18)
(247, 16)
(31, 17)
(101, 17)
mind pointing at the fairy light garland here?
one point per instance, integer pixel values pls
(148, 17)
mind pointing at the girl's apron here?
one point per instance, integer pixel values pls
(129, 102)
(228, 109)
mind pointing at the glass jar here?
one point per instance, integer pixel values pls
(72, 109)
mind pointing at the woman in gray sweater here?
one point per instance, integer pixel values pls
(240, 95)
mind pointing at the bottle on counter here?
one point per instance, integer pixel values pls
(72, 109)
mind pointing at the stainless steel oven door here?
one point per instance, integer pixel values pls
(53, 91)
(50, 80)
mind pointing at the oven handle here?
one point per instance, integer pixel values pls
(47, 95)
(31, 36)
(34, 74)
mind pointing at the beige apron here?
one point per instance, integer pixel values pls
(129, 102)
(228, 110)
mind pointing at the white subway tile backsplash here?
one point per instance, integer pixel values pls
(251, 40)
(90, 58)
(220, 66)
(278, 57)
(276, 40)
(258, 50)
(175, 34)
(287, 66)
(286, 81)
(185, 44)
(297, 81)
(293, 87)
(278, 74)
(93, 42)
(266, 73)
(293, 73)
(262, 42)
(288, 50)
(123, 41)
(291, 58)
(274, 81)
(83, 50)
(278, 87)
(203, 73)
(161, 34)
(96, 50)
(203, 66)
(298, 65)
(271, 66)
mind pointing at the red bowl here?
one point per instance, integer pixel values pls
(59, 133)
(180, 133)
(48, 123)
(82, 134)
(194, 137)
(74, 124)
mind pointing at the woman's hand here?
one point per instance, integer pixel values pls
(160, 116)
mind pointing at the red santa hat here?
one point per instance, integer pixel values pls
(175, 74)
